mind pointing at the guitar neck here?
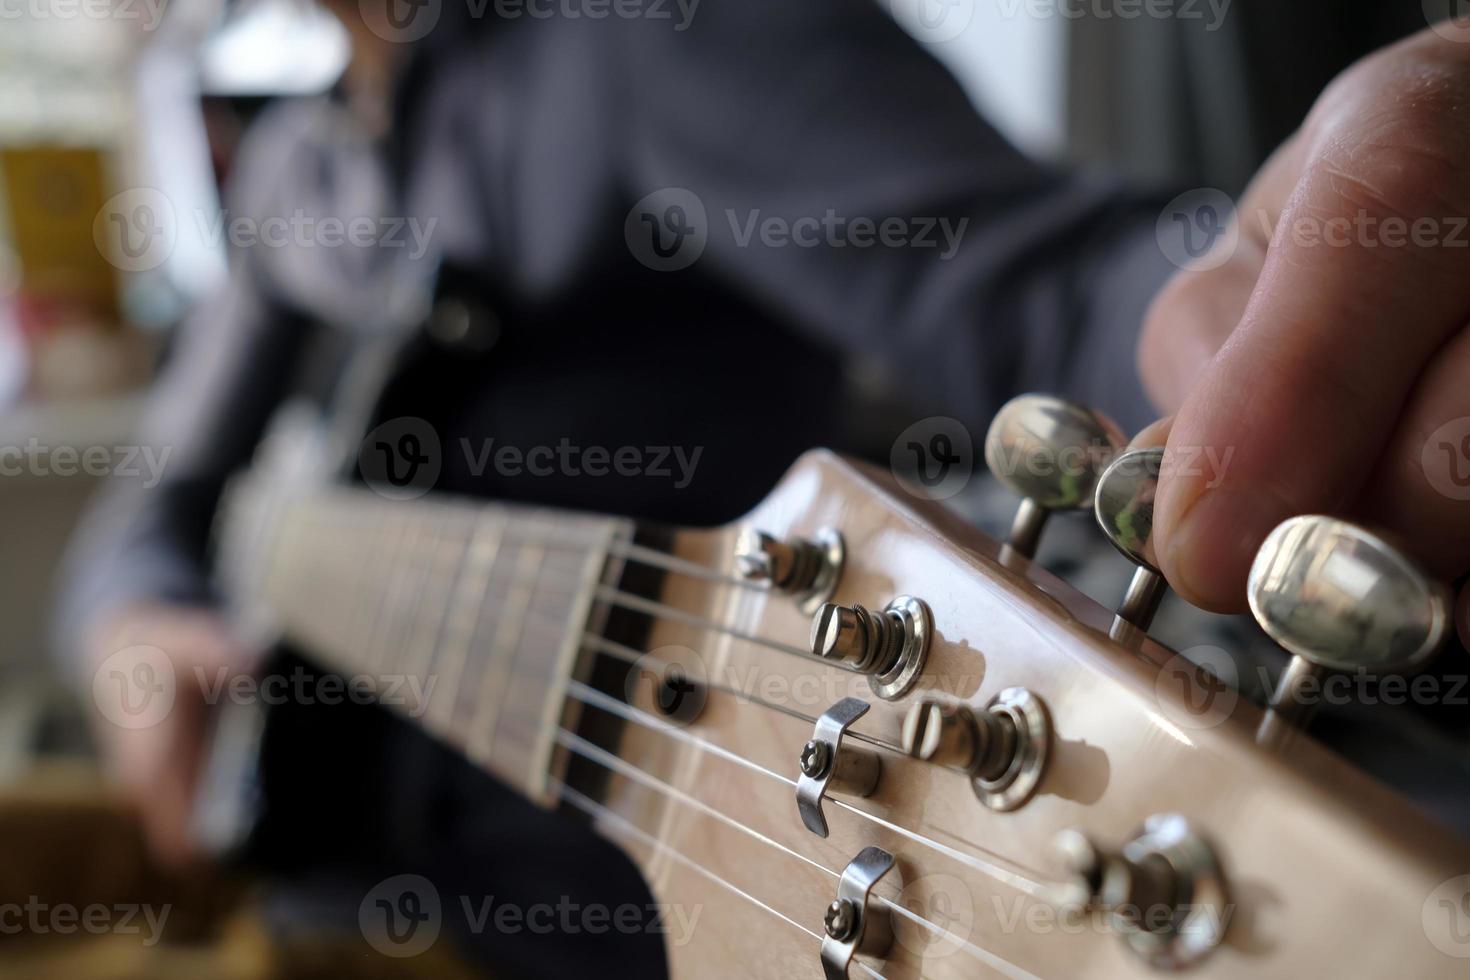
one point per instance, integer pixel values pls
(467, 617)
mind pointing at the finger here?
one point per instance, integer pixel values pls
(1195, 313)
(1304, 395)
(1153, 435)
(1420, 487)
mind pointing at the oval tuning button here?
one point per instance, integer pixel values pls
(1124, 508)
(1340, 598)
(1050, 452)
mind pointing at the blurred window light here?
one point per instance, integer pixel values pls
(1009, 55)
(274, 47)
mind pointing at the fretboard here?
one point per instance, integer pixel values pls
(465, 616)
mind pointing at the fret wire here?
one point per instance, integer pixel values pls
(594, 809)
(390, 597)
(595, 753)
(480, 555)
(627, 712)
(524, 611)
(481, 738)
(453, 549)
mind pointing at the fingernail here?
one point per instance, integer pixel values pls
(1211, 549)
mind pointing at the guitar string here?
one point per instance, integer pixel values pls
(594, 753)
(903, 831)
(649, 606)
(629, 655)
(597, 699)
(596, 810)
(660, 610)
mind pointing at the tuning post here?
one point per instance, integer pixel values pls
(1163, 890)
(829, 765)
(1124, 507)
(1049, 451)
(890, 647)
(806, 570)
(1003, 749)
(1340, 598)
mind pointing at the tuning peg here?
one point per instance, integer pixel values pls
(1125, 511)
(1050, 452)
(1164, 890)
(1338, 597)
(807, 570)
(1002, 748)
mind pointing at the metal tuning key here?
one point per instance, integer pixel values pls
(1340, 598)
(1050, 452)
(1163, 891)
(1003, 749)
(855, 923)
(1125, 510)
(890, 647)
(806, 570)
(827, 764)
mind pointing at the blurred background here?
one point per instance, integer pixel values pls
(147, 100)
(101, 98)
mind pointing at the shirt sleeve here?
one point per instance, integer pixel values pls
(824, 120)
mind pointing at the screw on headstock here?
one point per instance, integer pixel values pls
(1050, 452)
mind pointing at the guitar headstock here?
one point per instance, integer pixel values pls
(1056, 793)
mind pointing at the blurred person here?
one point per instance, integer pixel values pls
(526, 145)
